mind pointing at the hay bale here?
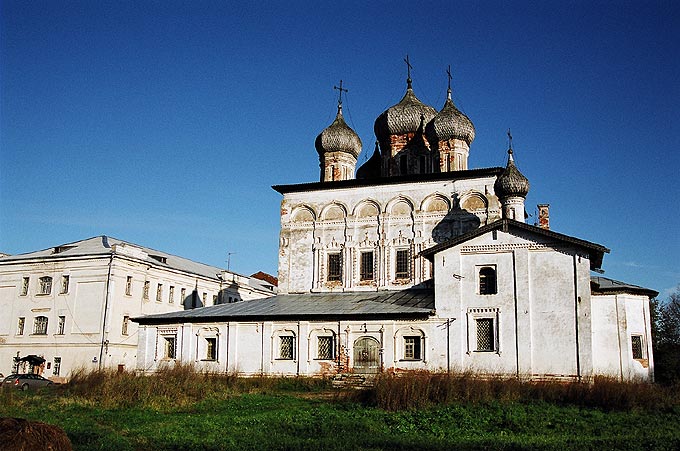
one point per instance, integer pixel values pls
(18, 434)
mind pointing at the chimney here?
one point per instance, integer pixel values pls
(544, 216)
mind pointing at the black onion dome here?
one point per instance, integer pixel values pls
(511, 183)
(450, 123)
(338, 137)
(404, 117)
(371, 168)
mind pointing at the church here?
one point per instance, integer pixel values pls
(413, 261)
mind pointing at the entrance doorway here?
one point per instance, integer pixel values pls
(366, 355)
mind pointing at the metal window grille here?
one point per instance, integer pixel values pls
(211, 348)
(402, 265)
(128, 286)
(325, 348)
(24, 286)
(334, 268)
(636, 341)
(61, 325)
(40, 325)
(286, 347)
(145, 293)
(487, 280)
(159, 292)
(485, 334)
(64, 284)
(57, 366)
(366, 270)
(170, 347)
(45, 285)
(412, 348)
(20, 326)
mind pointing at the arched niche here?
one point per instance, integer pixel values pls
(303, 213)
(334, 212)
(400, 206)
(436, 203)
(474, 202)
(367, 209)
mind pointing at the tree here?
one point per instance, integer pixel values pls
(666, 338)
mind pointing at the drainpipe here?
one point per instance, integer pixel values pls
(297, 356)
(107, 306)
(577, 299)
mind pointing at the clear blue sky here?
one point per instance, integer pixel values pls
(166, 123)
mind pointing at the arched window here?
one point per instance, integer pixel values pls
(487, 280)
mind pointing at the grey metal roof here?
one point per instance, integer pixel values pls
(103, 245)
(449, 123)
(405, 304)
(604, 285)
(404, 117)
(338, 137)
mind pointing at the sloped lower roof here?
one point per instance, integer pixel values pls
(404, 304)
(603, 285)
(596, 251)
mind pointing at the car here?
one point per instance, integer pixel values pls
(25, 381)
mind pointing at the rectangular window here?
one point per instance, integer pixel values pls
(159, 293)
(128, 286)
(485, 335)
(24, 285)
(487, 280)
(126, 324)
(61, 325)
(211, 348)
(40, 325)
(205, 299)
(145, 292)
(57, 366)
(20, 325)
(325, 348)
(403, 268)
(170, 347)
(182, 295)
(286, 348)
(366, 269)
(334, 268)
(45, 286)
(171, 295)
(636, 341)
(65, 280)
(412, 348)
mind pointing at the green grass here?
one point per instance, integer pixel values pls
(226, 412)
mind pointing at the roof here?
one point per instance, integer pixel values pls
(104, 246)
(392, 180)
(603, 285)
(403, 304)
(595, 251)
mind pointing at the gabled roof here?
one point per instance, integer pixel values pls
(104, 246)
(403, 304)
(603, 285)
(595, 251)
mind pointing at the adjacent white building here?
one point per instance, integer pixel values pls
(71, 305)
(417, 263)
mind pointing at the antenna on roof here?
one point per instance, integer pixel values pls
(229, 254)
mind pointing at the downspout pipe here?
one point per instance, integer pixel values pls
(107, 305)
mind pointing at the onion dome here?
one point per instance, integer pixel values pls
(404, 117)
(511, 183)
(338, 137)
(450, 123)
(371, 168)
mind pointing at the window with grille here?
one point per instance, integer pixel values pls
(403, 270)
(485, 335)
(126, 324)
(159, 293)
(57, 366)
(128, 286)
(61, 325)
(211, 348)
(24, 285)
(325, 348)
(171, 295)
(20, 325)
(636, 341)
(366, 269)
(334, 268)
(65, 280)
(412, 348)
(487, 280)
(286, 349)
(40, 325)
(170, 347)
(45, 285)
(145, 293)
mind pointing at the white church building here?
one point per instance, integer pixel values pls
(417, 263)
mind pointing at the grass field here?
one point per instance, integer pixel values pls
(184, 410)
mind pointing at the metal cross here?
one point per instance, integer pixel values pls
(448, 72)
(340, 88)
(408, 70)
(509, 139)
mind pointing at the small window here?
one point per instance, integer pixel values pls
(334, 268)
(126, 324)
(20, 325)
(205, 299)
(325, 347)
(61, 325)
(40, 325)
(412, 348)
(183, 294)
(403, 268)
(24, 285)
(56, 368)
(215, 299)
(487, 280)
(636, 341)
(65, 280)
(45, 286)
(286, 347)
(171, 295)
(366, 270)
(211, 348)
(485, 335)
(159, 293)
(170, 347)
(145, 292)
(128, 286)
